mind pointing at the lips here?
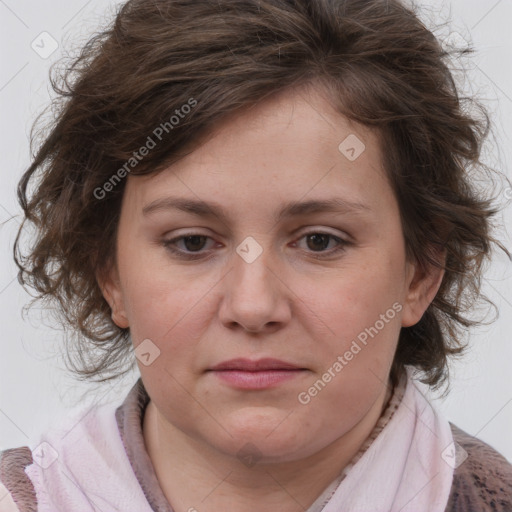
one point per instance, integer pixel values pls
(248, 375)
(260, 365)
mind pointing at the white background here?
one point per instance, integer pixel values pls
(34, 387)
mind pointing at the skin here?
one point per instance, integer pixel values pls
(299, 301)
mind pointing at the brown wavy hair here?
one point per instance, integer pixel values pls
(378, 63)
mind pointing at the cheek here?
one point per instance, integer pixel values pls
(362, 312)
(174, 311)
(354, 313)
(156, 302)
(354, 297)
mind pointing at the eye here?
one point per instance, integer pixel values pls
(193, 243)
(317, 242)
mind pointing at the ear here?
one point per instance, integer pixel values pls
(110, 285)
(422, 286)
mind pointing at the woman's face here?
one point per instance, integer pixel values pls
(295, 255)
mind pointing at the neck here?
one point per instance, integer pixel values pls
(221, 482)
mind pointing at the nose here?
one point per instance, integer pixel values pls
(255, 297)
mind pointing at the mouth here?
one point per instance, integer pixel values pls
(249, 365)
(258, 374)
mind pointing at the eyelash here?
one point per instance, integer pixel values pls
(170, 246)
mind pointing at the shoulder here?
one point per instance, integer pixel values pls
(483, 481)
(13, 477)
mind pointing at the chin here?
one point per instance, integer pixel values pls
(267, 439)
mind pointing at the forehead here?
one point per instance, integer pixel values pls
(291, 146)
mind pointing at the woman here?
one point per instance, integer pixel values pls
(270, 201)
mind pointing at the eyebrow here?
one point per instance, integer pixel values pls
(291, 209)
